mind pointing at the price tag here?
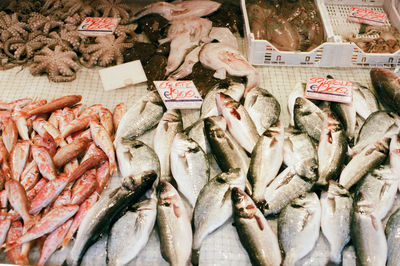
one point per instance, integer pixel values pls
(123, 75)
(367, 16)
(181, 94)
(329, 90)
(94, 26)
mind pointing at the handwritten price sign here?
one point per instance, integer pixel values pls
(367, 16)
(94, 26)
(329, 90)
(181, 94)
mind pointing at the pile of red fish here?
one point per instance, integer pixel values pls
(55, 159)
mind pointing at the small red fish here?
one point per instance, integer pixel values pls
(70, 151)
(102, 176)
(86, 165)
(106, 120)
(18, 158)
(30, 176)
(46, 141)
(10, 134)
(83, 188)
(31, 194)
(59, 103)
(18, 200)
(44, 162)
(15, 255)
(119, 112)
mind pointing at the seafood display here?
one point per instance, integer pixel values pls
(288, 25)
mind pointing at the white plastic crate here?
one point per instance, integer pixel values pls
(350, 54)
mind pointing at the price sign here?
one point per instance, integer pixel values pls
(329, 90)
(94, 26)
(367, 16)
(181, 94)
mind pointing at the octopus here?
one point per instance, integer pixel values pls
(105, 51)
(127, 31)
(24, 6)
(11, 26)
(72, 22)
(83, 8)
(114, 8)
(38, 22)
(60, 65)
(51, 7)
(68, 40)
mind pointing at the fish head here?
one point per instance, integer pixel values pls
(225, 101)
(363, 204)
(335, 189)
(183, 144)
(167, 194)
(213, 129)
(307, 169)
(234, 177)
(243, 205)
(131, 182)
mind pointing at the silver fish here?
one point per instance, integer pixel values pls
(174, 226)
(394, 155)
(141, 117)
(319, 255)
(96, 254)
(298, 91)
(332, 150)
(369, 158)
(336, 206)
(364, 100)
(347, 114)
(129, 235)
(189, 166)
(238, 121)
(297, 147)
(256, 235)
(288, 185)
(298, 227)
(266, 160)
(380, 187)
(383, 124)
(308, 117)
(169, 126)
(214, 206)
(263, 108)
(349, 256)
(368, 236)
(197, 133)
(392, 234)
(209, 106)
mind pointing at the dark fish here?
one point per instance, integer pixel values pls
(387, 86)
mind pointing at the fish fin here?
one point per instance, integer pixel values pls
(374, 222)
(195, 256)
(177, 210)
(259, 222)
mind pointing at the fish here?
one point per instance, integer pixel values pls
(387, 86)
(332, 150)
(226, 151)
(141, 117)
(186, 67)
(100, 216)
(91, 162)
(380, 187)
(214, 206)
(106, 120)
(349, 256)
(265, 162)
(19, 202)
(76, 125)
(391, 231)
(189, 167)
(209, 106)
(336, 207)
(41, 126)
(297, 147)
(15, 255)
(263, 108)
(18, 158)
(83, 188)
(347, 115)
(102, 176)
(44, 162)
(59, 103)
(169, 126)
(30, 175)
(70, 151)
(367, 234)
(382, 123)
(21, 123)
(21, 103)
(196, 132)
(118, 113)
(9, 134)
(288, 185)
(319, 255)
(31, 194)
(174, 225)
(129, 235)
(226, 59)
(5, 224)
(298, 91)
(298, 227)
(364, 100)
(369, 158)
(238, 121)
(394, 156)
(224, 35)
(63, 199)
(178, 10)
(46, 141)
(103, 141)
(255, 234)
(308, 117)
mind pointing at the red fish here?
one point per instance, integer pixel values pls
(59, 103)
(10, 134)
(18, 158)
(44, 162)
(84, 187)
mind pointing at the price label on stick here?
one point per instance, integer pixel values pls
(329, 90)
(367, 16)
(180, 94)
(94, 26)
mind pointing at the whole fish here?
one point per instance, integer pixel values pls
(380, 187)
(347, 115)
(106, 120)
(70, 151)
(59, 103)
(308, 117)
(189, 166)
(288, 185)
(238, 121)
(298, 91)
(19, 202)
(332, 150)
(135, 157)
(364, 100)
(30, 175)
(263, 108)
(11, 105)
(298, 227)
(387, 86)
(382, 123)
(256, 235)
(83, 188)
(266, 160)
(44, 162)
(15, 255)
(86, 165)
(336, 207)
(129, 235)
(174, 225)
(369, 158)
(367, 234)
(20, 121)
(141, 117)
(18, 158)
(227, 152)
(118, 113)
(297, 147)
(169, 126)
(100, 216)
(214, 206)
(46, 141)
(392, 234)
(209, 106)
(9, 134)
